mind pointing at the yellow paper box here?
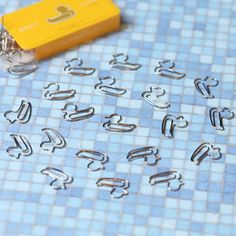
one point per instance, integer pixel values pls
(51, 26)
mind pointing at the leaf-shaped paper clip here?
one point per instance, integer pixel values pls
(166, 69)
(206, 150)
(217, 116)
(118, 186)
(64, 13)
(203, 86)
(53, 92)
(75, 114)
(97, 160)
(120, 61)
(169, 123)
(153, 97)
(147, 153)
(23, 68)
(55, 140)
(22, 147)
(114, 124)
(60, 178)
(21, 115)
(171, 177)
(74, 67)
(106, 87)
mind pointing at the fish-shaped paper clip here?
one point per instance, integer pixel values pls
(60, 178)
(206, 150)
(74, 67)
(218, 115)
(154, 97)
(172, 178)
(53, 92)
(118, 186)
(97, 160)
(106, 86)
(150, 154)
(22, 115)
(114, 124)
(120, 61)
(167, 69)
(169, 123)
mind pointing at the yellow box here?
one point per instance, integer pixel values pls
(52, 26)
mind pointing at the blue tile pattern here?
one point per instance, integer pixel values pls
(200, 36)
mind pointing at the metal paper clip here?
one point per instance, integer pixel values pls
(22, 115)
(106, 87)
(74, 67)
(120, 62)
(171, 177)
(23, 69)
(55, 140)
(166, 69)
(118, 186)
(203, 86)
(153, 97)
(60, 178)
(169, 123)
(52, 92)
(74, 114)
(22, 147)
(217, 116)
(114, 124)
(97, 160)
(206, 150)
(146, 153)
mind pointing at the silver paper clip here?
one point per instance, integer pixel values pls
(203, 86)
(22, 115)
(172, 178)
(166, 69)
(74, 67)
(106, 87)
(153, 97)
(72, 113)
(170, 122)
(206, 150)
(147, 153)
(121, 62)
(118, 186)
(22, 147)
(23, 69)
(60, 178)
(217, 116)
(55, 140)
(97, 160)
(114, 124)
(53, 92)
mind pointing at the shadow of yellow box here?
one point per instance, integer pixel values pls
(52, 26)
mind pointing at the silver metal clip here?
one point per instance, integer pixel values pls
(52, 92)
(74, 67)
(22, 147)
(153, 97)
(206, 150)
(60, 178)
(147, 153)
(120, 62)
(55, 140)
(166, 69)
(22, 115)
(118, 186)
(217, 116)
(72, 113)
(23, 69)
(169, 123)
(172, 178)
(203, 86)
(97, 160)
(106, 87)
(114, 124)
